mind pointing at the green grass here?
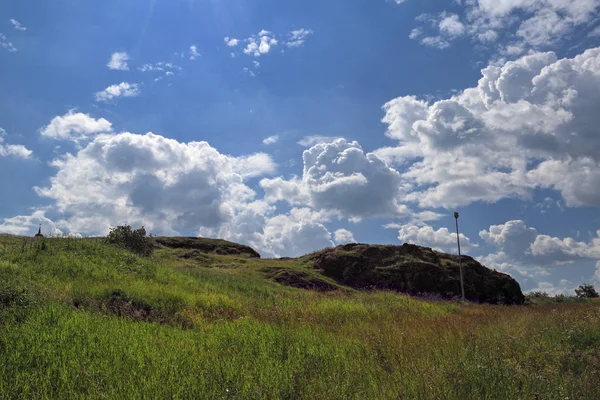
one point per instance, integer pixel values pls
(81, 319)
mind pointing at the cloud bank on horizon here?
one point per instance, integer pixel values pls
(526, 126)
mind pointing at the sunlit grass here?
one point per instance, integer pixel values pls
(80, 319)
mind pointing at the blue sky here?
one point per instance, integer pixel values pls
(292, 126)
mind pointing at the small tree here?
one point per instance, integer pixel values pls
(586, 291)
(133, 240)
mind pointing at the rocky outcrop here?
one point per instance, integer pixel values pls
(416, 270)
(204, 245)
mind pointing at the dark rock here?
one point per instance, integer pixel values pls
(414, 269)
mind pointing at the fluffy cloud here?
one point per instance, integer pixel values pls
(231, 42)
(28, 225)
(343, 236)
(18, 26)
(520, 243)
(425, 235)
(527, 24)
(194, 52)
(297, 37)
(310, 141)
(528, 124)
(260, 44)
(123, 89)
(150, 180)
(271, 139)
(118, 61)
(339, 176)
(15, 150)
(75, 127)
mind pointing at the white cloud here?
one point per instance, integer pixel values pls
(28, 225)
(159, 66)
(18, 26)
(231, 42)
(525, 24)
(310, 141)
(150, 180)
(343, 236)
(415, 33)
(520, 243)
(435, 41)
(118, 61)
(340, 177)
(260, 44)
(6, 44)
(451, 26)
(193, 52)
(271, 139)
(425, 235)
(15, 150)
(298, 37)
(595, 32)
(530, 123)
(75, 127)
(123, 89)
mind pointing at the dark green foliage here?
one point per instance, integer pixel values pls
(205, 245)
(133, 240)
(586, 291)
(299, 279)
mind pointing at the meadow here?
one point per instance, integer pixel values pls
(84, 319)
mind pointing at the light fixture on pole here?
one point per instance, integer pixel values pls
(462, 285)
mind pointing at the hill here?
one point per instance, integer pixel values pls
(83, 319)
(415, 270)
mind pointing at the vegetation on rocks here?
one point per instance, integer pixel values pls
(415, 270)
(86, 319)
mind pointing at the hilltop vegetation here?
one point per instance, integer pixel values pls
(81, 318)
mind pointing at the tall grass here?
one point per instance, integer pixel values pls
(80, 319)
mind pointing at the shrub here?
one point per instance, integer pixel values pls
(586, 291)
(133, 240)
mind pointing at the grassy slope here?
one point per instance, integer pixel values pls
(215, 327)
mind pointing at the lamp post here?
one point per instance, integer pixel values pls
(462, 285)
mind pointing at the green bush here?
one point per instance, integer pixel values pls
(586, 291)
(133, 240)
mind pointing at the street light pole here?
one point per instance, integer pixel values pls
(462, 285)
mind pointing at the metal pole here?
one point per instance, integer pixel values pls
(462, 285)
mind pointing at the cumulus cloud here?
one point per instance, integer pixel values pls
(425, 235)
(520, 243)
(194, 52)
(260, 44)
(18, 26)
(75, 127)
(28, 225)
(150, 180)
(123, 89)
(118, 61)
(15, 150)
(310, 141)
(231, 42)
(343, 236)
(271, 139)
(339, 176)
(526, 24)
(529, 123)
